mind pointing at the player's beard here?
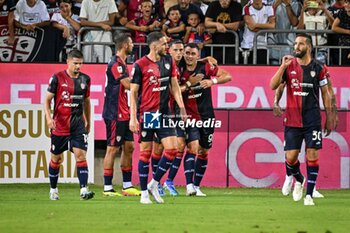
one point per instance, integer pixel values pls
(300, 54)
(76, 71)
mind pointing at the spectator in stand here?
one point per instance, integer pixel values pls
(7, 9)
(174, 28)
(192, 36)
(76, 6)
(68, 23)
(142, 26)
(341, 25)
(315, 16)
(101, 15)
(287, 17)
(185, 8)
(224, 15)
(201, 5)
(52, 6)
(30, 14)
(131, 10)
(257, 16)
(334, 38)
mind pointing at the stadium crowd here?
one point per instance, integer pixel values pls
(210, 24)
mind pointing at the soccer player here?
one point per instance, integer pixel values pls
(199, 106)
(154, 77)
(70, 124)
(176, 50)
(116, 115)
(288, 182)
(304, 77)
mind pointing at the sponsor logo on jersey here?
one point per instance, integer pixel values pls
(159, 88)
(295, 83)
(293, 72)
(300, 93)
(63, 85)
(194, 96)
(65, 95)
(71, 105)
(164, 79)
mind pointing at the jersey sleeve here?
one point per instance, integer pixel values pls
(324, 76)
(136, 74)
(211, 70)
(53, 83)
(119, 71)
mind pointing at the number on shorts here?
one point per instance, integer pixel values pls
(210, 138)
(86, 137)
(316, 135)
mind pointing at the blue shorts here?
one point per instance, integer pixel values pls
(149, 135)
(60, 144)
(204, 135)
(117, 132)
(293, 137)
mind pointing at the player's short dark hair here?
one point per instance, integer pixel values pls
(75, 53)
(153, 37)
(192, 46)
(307, 37)
(175, 42)
(120, 39)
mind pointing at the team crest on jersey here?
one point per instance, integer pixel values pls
(143, 133)
(26, 46)
(167, 66)
(82, 85)
(120, 69)
(312, 73)
(119, 138)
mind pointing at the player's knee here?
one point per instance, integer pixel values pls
(203, 155)
(145, 155)
(128, 148)
(81, 163)
(312, 163)
(170, 153)
(179, 154)
(181, 145)
(55, 164)
(126, 168)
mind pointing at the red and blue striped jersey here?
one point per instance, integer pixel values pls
(116, 101)
(69, 102)
(303, 88)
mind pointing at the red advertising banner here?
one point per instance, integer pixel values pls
(247, 149)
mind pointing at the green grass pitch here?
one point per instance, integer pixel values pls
(26, 208)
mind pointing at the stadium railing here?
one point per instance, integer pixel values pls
(138, 46)
(281, 47)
